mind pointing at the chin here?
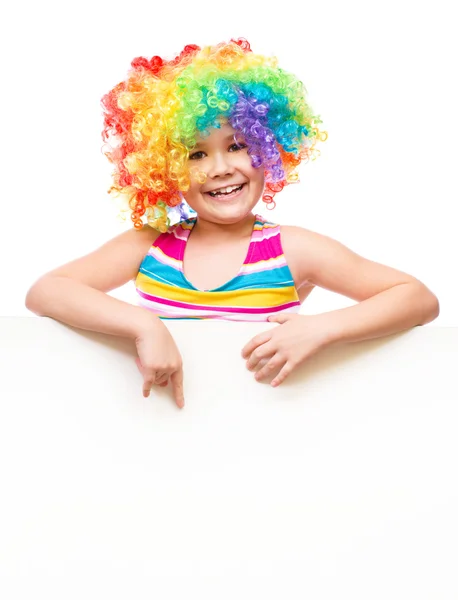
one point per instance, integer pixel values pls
(234, 213)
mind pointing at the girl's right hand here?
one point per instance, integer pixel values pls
(159, 359)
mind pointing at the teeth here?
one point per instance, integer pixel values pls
(226, 190)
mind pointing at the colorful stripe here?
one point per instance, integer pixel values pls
(264, 285)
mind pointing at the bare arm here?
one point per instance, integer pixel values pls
(388, 300)
(75, 293)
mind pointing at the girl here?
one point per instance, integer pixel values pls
(205, 136)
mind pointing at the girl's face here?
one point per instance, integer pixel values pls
(233, 187)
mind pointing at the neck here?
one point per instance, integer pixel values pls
(222, 231)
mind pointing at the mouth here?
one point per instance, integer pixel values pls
(226, 193)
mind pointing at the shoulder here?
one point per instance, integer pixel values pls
(126, 251)
(114, 263)
(147, 235)
(295, 236)
(139, 240)
(297, 243)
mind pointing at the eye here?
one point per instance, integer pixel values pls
(237, 147)
(196, 155)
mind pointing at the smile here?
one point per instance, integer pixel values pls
(227, 192)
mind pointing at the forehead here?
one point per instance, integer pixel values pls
(221, 135)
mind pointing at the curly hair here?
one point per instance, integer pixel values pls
(153, 118)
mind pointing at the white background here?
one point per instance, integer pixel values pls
(382, 77)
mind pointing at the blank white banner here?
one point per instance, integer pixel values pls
(340, 483)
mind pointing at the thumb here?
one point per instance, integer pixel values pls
(282, 318)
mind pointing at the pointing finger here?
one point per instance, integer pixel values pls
(177, 385)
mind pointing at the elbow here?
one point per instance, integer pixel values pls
(32, 302)
(431, 308)
(435, 310)
(424, 303)
(35, 300)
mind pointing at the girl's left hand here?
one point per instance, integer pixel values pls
(297, 338)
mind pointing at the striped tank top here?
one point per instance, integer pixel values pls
(263, 287)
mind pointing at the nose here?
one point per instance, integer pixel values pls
(221, 165)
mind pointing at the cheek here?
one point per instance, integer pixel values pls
(197, 177)
(193, 189)
(258, 177)
(193, 196)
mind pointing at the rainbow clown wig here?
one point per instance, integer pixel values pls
(153, 118)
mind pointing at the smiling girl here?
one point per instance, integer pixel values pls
(209, 134)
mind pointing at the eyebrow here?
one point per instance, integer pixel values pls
(226, 139)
